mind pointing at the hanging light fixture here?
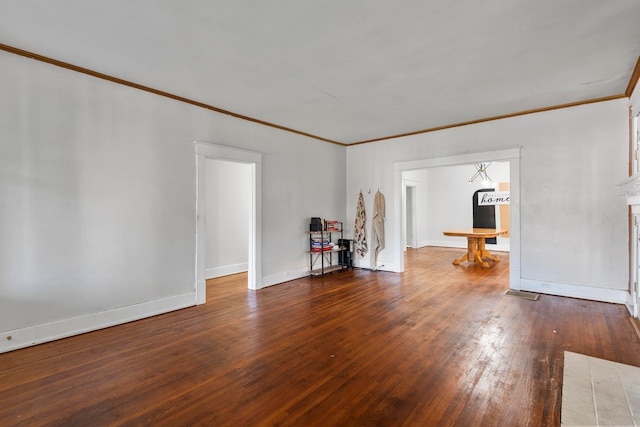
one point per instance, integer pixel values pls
(481, 171)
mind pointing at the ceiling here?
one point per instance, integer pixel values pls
(345, 71)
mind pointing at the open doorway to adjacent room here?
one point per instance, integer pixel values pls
(228, 238)
(441, 198)
(436, 195)
(228, 215)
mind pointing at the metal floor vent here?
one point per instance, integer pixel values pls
(521, 294)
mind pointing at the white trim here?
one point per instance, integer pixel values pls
(631, 299)
(277, 278)
(617, 296)
(221, 152)
(462, 244)
(462, 159)
(392, 265)
(512, 155)
(207, 150)
(423, 243)
(38, 334)
(414, 221)
(226, 270)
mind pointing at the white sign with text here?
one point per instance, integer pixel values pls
(493, 198)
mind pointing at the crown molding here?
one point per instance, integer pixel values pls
(634, 79)
(635, 76)
(123, 82)
(489, 119)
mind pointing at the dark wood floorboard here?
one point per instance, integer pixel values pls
(437, 345)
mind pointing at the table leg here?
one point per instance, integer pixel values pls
(471, 251)
(485, 253)
(478, 260)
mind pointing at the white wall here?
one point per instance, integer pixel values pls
(635, 99)
(228, 206)
(573, 223)
(97, 200)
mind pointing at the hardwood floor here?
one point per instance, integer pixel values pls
(437, 345)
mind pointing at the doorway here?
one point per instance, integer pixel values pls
(228, 207)
(510, 155)
(411, 220)
(253, 160)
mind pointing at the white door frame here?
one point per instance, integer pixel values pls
(207, 150)
(511, 155)
(633, 292)
(410, 240)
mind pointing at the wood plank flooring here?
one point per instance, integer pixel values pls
(437, 345)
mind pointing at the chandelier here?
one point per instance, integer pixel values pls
(481, 172)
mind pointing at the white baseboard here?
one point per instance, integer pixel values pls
(285, 276)
(226, 270)
(25, 337)
(201, 292)
(462, 244)
(385, 266)
(575, 291)
(361, 262)
(382, 265)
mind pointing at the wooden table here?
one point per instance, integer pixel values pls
(476, 251)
